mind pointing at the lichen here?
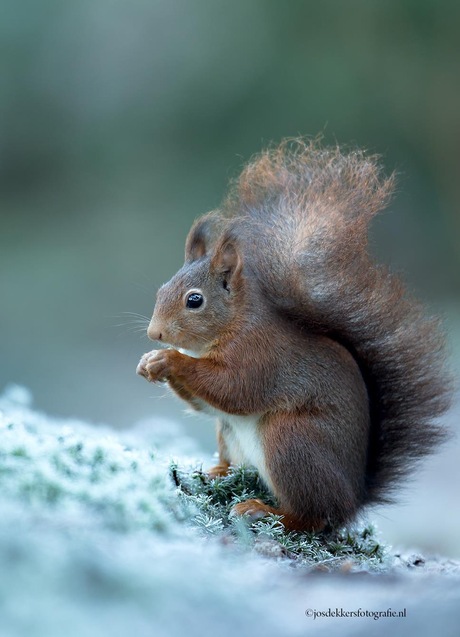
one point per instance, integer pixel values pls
(214, 498)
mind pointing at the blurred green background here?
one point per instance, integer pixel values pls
(123, 121)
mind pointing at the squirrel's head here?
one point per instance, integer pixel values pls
(195, 308)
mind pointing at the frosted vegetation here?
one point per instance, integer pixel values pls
(103, 532)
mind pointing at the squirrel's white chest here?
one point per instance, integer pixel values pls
(243, 440)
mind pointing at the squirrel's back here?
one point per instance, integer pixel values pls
(301, 212)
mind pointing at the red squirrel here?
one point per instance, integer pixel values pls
(321, 370)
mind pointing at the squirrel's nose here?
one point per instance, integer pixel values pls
(154, 331)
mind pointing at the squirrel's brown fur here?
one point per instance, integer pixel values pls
(314, 206)
(342, 368)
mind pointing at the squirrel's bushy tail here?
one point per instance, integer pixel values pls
(304, 212)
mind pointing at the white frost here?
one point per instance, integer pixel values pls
(94, 541)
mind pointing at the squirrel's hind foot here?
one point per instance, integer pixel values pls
(219, 471)
(255, 509)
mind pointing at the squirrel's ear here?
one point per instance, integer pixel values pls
(200, 237)
(227, 259)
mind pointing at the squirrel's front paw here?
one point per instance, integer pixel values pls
(154, 365)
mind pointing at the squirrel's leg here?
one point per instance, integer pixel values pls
(308, 481)
(208, 380)
(256, 509)
(186, 395)
(178, 388)
(222, 468)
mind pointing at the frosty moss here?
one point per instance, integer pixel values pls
(214, 499)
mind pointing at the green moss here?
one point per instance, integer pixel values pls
(19, 452)
(214, 498)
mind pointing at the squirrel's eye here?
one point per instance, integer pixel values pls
(194, 300)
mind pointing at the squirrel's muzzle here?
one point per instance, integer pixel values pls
(155, 331)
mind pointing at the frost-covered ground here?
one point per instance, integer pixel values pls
(96, 538)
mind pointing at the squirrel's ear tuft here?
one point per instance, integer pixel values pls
(227, 259)
(201, 236)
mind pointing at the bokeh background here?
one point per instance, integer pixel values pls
(121, 122)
